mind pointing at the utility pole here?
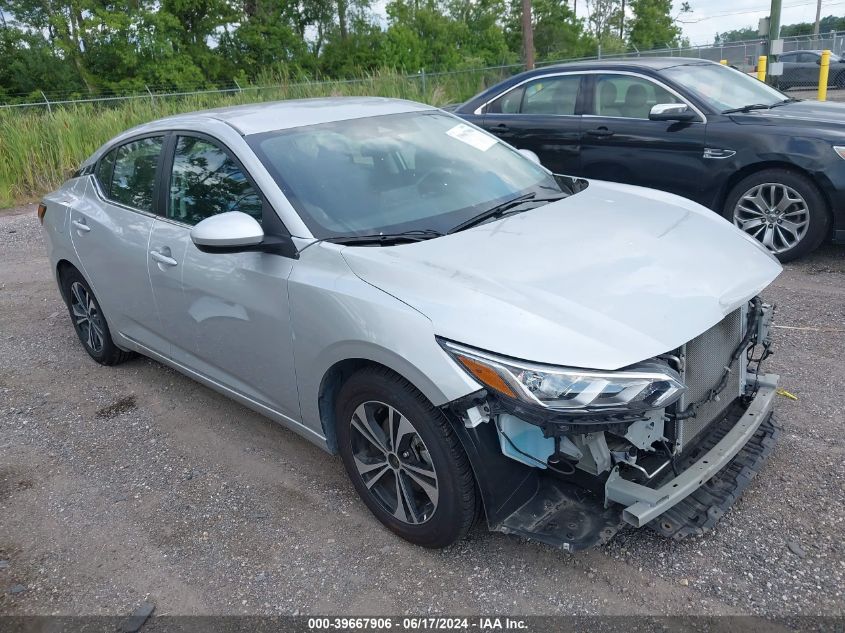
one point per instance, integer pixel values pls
(818, 18)
(527, 35)
(774, 25)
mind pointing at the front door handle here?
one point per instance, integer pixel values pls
(161, 258)
(501, 128)
(80, 226)
(600, 132)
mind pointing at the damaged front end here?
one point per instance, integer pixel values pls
(567, 456)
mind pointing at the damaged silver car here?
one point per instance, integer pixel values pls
(475, 336)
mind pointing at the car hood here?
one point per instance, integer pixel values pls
(810, 112)
(608, 277)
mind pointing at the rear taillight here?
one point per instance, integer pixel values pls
(42, 210)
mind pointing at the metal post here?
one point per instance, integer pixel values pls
(47, 101)
(824, 69)
(238, 85)
(622, 21)
(149, 92)
(818, 18)
(761, 68)
(422, 73)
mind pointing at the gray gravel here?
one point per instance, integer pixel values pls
(130, 485)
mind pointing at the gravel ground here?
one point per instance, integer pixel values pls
(130, 484)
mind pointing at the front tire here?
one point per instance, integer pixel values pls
(89, 321)
(404, 459)
(782, 209)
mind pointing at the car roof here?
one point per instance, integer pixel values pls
(653, 63)
(256, 118)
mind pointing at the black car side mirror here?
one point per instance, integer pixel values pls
(671, 112)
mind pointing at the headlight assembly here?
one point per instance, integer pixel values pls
(648, 385)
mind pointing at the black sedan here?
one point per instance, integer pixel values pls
(773, 165)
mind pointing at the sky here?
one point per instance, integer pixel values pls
(709, 17)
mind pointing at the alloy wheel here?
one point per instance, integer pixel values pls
(774, 214)
(87, 317)
(394, 462)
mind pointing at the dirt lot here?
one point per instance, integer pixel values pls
(130, 484)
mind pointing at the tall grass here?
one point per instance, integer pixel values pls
(39, 149)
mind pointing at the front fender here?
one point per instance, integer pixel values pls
(336, 317)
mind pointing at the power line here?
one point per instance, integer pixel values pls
(764, 9)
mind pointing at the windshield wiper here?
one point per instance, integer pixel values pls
(785, 101)
(502, 208)
(386, 239)
(747, 108)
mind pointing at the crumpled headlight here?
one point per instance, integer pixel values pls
(648, 385)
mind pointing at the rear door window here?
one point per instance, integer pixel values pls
(133, 177)
(104, 170)
(547, 95)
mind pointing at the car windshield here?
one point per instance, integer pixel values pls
(420, 171)
(723, 88)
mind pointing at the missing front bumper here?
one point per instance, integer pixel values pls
(643, 504)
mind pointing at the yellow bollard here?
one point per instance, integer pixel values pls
(824, 70)
(761, 68)
(724, 62)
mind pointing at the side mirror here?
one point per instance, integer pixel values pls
(229, 232)
(819, 62)
(671, 112)
(530, 155)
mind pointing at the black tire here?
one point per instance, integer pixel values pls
(457, 504)
(818, 211)
(104, 350)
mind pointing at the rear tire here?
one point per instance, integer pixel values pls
(782, 209)
(404, 459)
(89, 321)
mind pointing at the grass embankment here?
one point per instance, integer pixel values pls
(39, 149)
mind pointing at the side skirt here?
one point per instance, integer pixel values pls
(276, 416)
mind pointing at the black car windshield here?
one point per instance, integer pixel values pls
(419, 171)
(723, 88)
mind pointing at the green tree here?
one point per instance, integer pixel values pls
(652, 25)
(28, 64)
(737, 35)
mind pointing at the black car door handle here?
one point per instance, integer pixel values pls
(501, 128)
(600, 132)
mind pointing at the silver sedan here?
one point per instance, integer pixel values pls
(475, 335)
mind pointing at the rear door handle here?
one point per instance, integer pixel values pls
(80, 226)
(161, 258)
(601, 132)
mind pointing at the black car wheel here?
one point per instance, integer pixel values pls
(404, 459)
(781, 209)
(89, 321)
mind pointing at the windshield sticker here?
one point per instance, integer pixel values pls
(472, 137)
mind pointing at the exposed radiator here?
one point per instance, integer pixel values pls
(704, 361)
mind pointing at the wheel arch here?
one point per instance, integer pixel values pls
(62, 266)
(754, 168)
(340, 371)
